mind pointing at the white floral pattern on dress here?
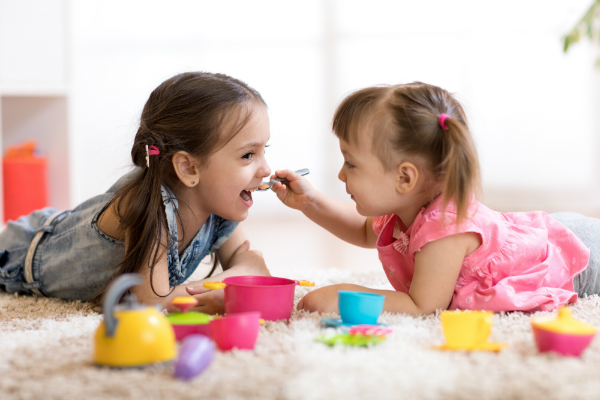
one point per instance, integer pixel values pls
(402, 243)
(533, 266)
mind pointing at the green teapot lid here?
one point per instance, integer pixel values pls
(189, 318)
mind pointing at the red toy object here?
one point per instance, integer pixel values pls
(25, 184)
(271, 296)
(238, 330)
(562, 334)
(186, 323)
(567, 345)
(183, 331)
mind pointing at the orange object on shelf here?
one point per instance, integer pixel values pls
(24, 178)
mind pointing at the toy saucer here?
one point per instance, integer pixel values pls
(338, 323)
(348, 339)
(488, 346)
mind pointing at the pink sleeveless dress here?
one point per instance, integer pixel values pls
(526, 261)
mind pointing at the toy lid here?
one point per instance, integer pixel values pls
(564, 324)
(189, 318)
(184, 300)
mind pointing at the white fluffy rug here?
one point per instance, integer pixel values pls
(47, 351)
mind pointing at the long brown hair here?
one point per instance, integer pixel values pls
(195, 112)
(404, 121)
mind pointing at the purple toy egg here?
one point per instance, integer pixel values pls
(195, 354)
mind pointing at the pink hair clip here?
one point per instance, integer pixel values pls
(152, 152)
(442, 121)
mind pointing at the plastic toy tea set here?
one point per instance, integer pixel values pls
(136, 335)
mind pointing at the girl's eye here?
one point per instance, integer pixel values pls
(347, 164)
(248, 156)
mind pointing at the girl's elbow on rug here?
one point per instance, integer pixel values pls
(399, 302)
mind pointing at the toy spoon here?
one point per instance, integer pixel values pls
(267, 185)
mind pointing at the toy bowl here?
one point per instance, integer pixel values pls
(562, 334)
(238, 330)
(189, 323)
(273, 297)
(360, 308)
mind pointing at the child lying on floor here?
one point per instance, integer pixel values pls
(197, 131)
(411, 167)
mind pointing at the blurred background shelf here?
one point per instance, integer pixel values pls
(34, 86)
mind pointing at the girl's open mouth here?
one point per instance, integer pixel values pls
(246, 197)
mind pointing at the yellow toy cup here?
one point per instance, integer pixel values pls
(468, 330)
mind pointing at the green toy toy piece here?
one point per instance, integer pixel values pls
(348, 339)
(189, 318)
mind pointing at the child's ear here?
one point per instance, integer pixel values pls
(186, 168)
(407, 175)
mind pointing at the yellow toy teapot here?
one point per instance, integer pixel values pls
(132, 334)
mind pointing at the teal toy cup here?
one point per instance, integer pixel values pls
(360, 308)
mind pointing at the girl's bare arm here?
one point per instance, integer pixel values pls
(437, 267)
(239, 261)
(339, 218)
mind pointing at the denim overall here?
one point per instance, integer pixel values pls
(65, 254)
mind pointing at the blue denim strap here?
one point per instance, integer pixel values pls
(47, 227)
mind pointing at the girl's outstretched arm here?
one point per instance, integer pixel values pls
(437, 267)
(235, 257)
(337, 217)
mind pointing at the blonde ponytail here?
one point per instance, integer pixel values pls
(460, 167)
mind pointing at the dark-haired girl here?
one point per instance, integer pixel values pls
(199, 153)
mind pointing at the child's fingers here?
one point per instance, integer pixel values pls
(287, 174)
(193, 290)
(279, 189)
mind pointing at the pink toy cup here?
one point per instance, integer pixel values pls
(238, 330)
(271, 296)
(182, 331)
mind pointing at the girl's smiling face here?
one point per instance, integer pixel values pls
(370, 186)
(231, 175)
(377, 191)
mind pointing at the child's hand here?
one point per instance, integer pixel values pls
(323, 300)
(296, 192)
(209, 301)
(248, 262)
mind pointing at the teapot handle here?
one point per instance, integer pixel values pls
(114, 293)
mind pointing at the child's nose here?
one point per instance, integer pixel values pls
(264, 170)
(342, 175)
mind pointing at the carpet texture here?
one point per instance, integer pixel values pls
(47, 346)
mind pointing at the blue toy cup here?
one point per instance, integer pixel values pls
(360, 308)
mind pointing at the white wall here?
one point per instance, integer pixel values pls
(532, 108)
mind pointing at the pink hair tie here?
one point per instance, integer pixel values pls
(152, 152)
(442, 121)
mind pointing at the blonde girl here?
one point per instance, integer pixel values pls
(411, 168)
